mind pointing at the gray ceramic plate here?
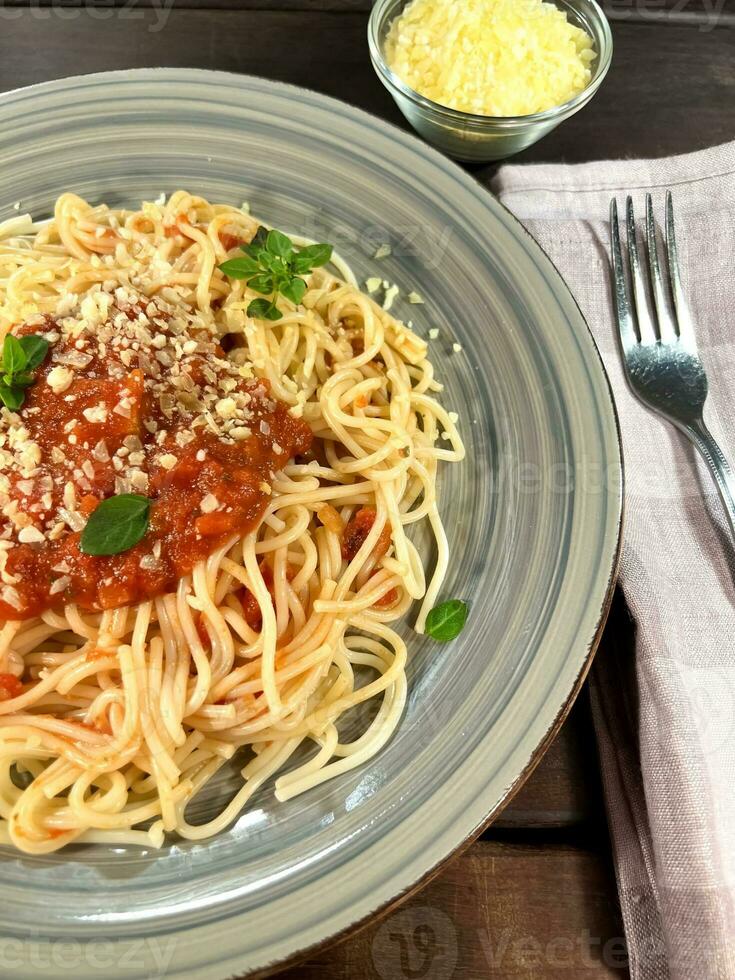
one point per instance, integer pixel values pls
(533, 517)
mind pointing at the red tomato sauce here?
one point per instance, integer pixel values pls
(356, 532)
(10, 687)
(229, 241)
(235, 475)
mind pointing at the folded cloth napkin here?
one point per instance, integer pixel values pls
(667, 741)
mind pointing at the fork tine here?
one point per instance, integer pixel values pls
(666, 328)
(622, 305)
(645, 320)
(684, 324)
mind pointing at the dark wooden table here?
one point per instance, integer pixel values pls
(535, 897)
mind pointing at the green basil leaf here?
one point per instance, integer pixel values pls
(116, 525)
(279, 244)
(239, 268)
(35, 349)
(257, 244)
(14, 357)
(311, 257)
(12, 398)
(274, 267)
(271, 263)
(21, 380)
(294, 290)
(263, 309)
(261, 284)
(447, 620)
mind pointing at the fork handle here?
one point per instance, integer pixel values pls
(719, 466)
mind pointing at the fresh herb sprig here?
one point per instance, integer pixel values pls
(447, 620)
(117, 524)
(21, 357)
(273, 266)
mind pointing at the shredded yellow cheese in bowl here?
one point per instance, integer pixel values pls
(490, 57)
(484, 78)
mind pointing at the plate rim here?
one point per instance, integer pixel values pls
(411, 143)
(385, 909)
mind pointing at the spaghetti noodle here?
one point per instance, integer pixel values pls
(285, 461)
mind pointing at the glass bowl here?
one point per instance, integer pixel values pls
(470, 137)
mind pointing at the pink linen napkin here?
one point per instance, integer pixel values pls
(664, 712)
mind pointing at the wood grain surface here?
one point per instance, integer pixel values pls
(535, 897)
(671, 87)
(707, 13)
(500, 910)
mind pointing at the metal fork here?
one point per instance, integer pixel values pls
(660, 352)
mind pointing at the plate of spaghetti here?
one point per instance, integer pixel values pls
(310, 496)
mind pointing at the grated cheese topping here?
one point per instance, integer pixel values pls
(490, 57)
(390, 294)
(183, 370)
